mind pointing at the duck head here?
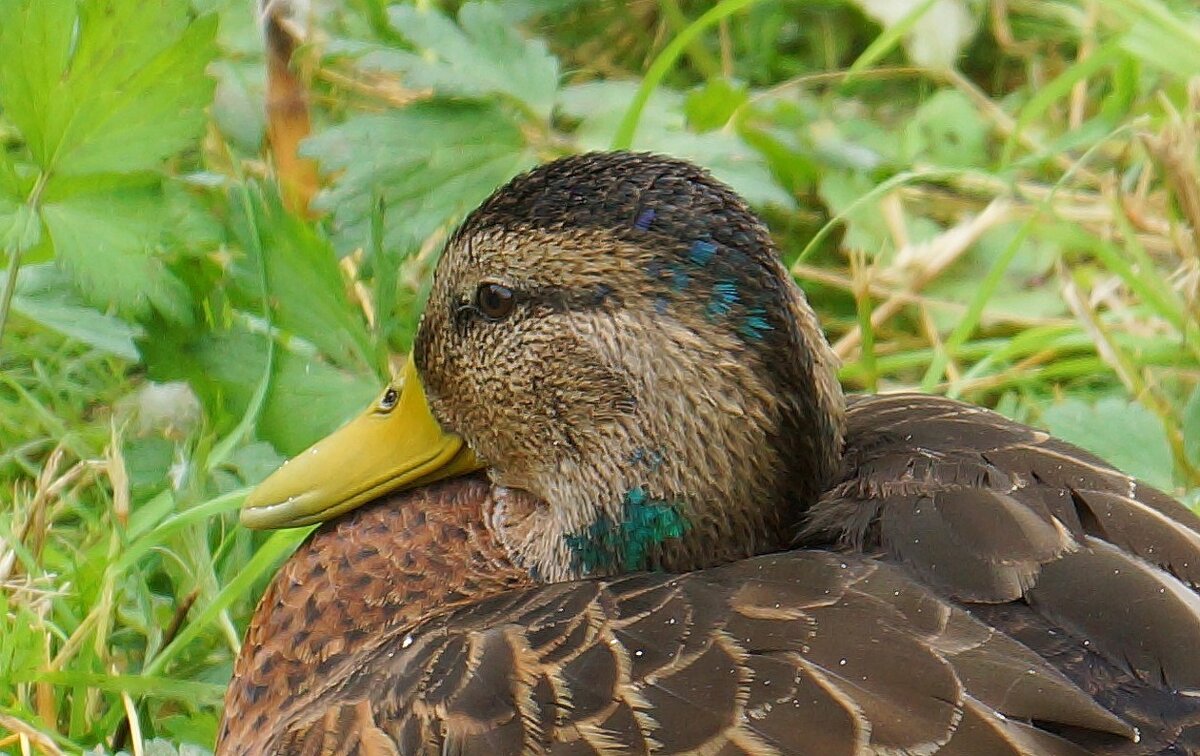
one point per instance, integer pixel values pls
(613, 337)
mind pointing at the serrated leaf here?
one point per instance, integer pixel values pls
(310, 400)
(599, 107)
(107, 240)
(481, 54)
(137, 104)
(102, 90)
(193, 223)
(36, 39)
(1125, 434)
(130, 92)
(427, 165)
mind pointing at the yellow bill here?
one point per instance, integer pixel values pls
(396, 444)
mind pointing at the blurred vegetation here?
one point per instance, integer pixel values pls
(992, 200)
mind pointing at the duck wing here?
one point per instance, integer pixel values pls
(1092, 569)
(805, 652)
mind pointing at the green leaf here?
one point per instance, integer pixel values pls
(1125, 434)
(20, 228)
(599, 108)
(1159, 35)
(277, 546)
(481, 55)
(307, 398)
(19, 652)
(866, 228)
(138, 685)
(713, 104)
(664, 61)
(35, 36)
(108, 240)
(238, 103)
(12, 186)
(1191, 427)
(310, 399)
(131, 93)
(426, 165)
(194, 218)
(1019, 293)
(776, 125)
(304, 287)
(948, 131)
(856, 144)
(254, 462)
(135, 112)
(148, 462)
(105, 94)
(45, 296)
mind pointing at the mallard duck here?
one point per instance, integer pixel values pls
(617, 503)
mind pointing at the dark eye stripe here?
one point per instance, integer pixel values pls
(540, 300)
(559, 299)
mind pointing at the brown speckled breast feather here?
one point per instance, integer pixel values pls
(354, 584)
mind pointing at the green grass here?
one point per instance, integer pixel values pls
(1015, 229)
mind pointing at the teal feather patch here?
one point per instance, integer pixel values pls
(651, 458)
(702, 252)
(626, 545)
(755, 324)
(724, 297)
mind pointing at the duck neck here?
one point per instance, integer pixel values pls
(726, 450)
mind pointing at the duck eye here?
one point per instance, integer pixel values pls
(495, 301)
(388, 401)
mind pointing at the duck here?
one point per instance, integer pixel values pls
(617, 502)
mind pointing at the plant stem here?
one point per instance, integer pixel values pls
(10, 284)
(701, 57)
(623, 139)
(21, 236)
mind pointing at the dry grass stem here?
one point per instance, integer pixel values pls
(29, 736)
(1006, 126)
(919, 264)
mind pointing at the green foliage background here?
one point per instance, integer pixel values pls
(991, 200)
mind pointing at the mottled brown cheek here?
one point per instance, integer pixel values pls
(515, 409)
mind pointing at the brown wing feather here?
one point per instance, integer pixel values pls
(803, 652)
(989, 511)
(1026, 592)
